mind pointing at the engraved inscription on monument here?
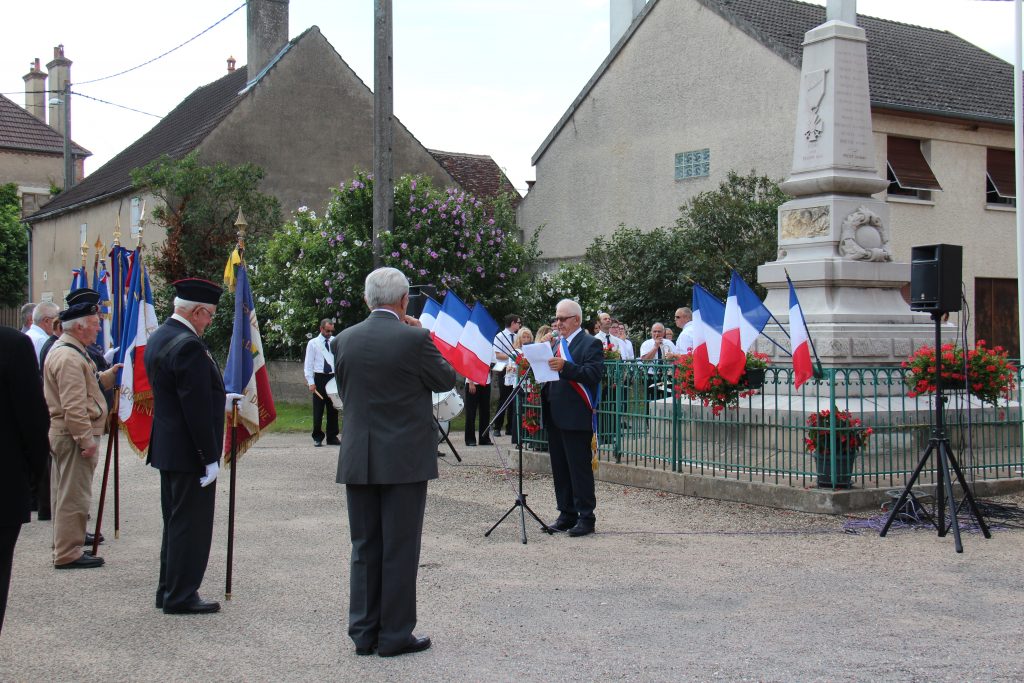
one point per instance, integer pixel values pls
(808, 222)
(814, 93)
(852, 109)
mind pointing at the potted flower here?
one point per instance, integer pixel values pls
(850, 436)
(721, 393)
(990, 375)
(531, 403)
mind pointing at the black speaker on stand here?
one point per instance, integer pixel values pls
(935, 288)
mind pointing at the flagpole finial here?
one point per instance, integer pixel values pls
(241, 226)
(117, 231)
(142, 224)
(98, 245)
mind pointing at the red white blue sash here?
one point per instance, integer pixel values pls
(592, 401)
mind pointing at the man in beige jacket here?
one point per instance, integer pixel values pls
(78, 416)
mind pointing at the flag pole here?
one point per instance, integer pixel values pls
(117, 312)
(241, 225)
(103, 496)
(818, 371)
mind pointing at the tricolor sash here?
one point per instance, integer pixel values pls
(592, 401)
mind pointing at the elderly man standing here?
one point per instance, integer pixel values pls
(26, 317)
(684, 321)
(568, 407)
(43, 316)
(78, 416)
(388, 453)
(186, 443)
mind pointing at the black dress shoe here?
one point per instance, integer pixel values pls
(486, 442)
(582, 529)
(496, 432)
(318, 443)
(86, 561)
(364, 651)
(197, 607)
(414, 645)
(333, 442)
(561, 524)
(44, 517)
(470, 443)
(90, 539)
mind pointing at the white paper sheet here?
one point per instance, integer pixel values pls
(539, 354)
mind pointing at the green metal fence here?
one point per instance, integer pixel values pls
(641, 422)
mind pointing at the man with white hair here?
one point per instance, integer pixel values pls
(78, 417)
(186, 443)
(26, 316)
(386, 368)
(43, 316)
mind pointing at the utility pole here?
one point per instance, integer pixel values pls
(69, 165)
(383, 137)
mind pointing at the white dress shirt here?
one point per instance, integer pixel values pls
(684, 345)
(38, 336)
(502, 343)
(625, 349)
(316, 355)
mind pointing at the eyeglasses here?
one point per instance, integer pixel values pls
(205, 310)
(562, 319)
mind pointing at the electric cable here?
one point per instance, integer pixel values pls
(115, 104)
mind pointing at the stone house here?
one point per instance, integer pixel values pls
(692, 89)
(297, 110)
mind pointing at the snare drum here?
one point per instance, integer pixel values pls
(332, 393)
(447, 405)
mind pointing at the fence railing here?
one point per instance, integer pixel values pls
(764, 437)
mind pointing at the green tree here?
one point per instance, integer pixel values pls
(315, 266)
(198, 209)
(733, 225)
(13, 248)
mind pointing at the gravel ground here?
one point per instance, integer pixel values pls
(669, 589)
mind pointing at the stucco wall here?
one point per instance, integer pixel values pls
(31, 170)
(309, 123)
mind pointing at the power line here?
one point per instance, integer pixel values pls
(121, 73)
(115, 104)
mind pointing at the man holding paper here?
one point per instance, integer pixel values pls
(569, 407)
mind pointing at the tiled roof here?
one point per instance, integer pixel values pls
(176, 135)
(477, 174)
(910, 68)
(21, 131)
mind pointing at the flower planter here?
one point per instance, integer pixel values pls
(754, 378)
(844, 467)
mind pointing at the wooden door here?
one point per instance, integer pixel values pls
(995, 311)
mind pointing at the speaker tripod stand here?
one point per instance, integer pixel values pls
(938, 446)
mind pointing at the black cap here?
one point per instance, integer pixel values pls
(198, 290)
(81, 302)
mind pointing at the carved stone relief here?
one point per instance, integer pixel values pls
(814, 93)
(812, 221)
(864, 237)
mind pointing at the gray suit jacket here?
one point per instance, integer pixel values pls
(385, 372)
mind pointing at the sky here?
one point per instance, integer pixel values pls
(475, 76)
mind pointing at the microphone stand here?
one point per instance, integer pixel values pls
(520, 501)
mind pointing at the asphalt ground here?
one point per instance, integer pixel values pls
(669, 589)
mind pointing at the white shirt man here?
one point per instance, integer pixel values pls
(657, 348)
(319, 370)
(684, 321)
(605, 335)
(625, 345)
(42, 324)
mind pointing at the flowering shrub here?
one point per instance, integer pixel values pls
(850, 434)
(315, 266)
(990, 375)
(574, 281)
(721, 394)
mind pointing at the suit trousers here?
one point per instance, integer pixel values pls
(478, 405)
(8, 538)
(386, 523)
(572, 472)
(320, 405)
(42, 491)
(188, 511)
(506, 417)
(70, 496)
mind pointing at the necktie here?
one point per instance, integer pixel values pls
(327, 347)
(659, 350)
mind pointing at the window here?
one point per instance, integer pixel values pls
(908, 171)
(136, 212)
(1000, 178)
(83, 234)
(693, 164)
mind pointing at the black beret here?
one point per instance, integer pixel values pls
(198, 290)
(82, 295)
(81, 302)
(78, 311)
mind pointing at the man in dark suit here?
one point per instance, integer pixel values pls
(568, 407)
(186, 443)
(25, 423)
(386, 367)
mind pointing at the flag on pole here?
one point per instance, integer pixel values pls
(104, 339)
(799, 339)
(451, 320)
(135, 403)
(118, 286)
(744, 318)
(475, 347)
(246, 370)
(708, 318)
(428, 318)
(79, 279)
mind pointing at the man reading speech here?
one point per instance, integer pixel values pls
(386, 367)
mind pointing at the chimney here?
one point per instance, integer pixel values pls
(60, 76)
(35, 91)
(231, 64)
(267, 22)
(622, 14)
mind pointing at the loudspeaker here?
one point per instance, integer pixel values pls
(935, 277)
(418, 298)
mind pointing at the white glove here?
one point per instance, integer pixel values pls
(230, 399)
(109, 355)
(212, 470)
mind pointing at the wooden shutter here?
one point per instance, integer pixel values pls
(909, 166)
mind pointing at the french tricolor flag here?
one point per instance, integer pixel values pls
(708, 318)
(745, 316)
(428, 318)
(451, 320)
(476, 350)
(799, 339)
(135, 408)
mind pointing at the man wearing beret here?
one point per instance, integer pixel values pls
(78, 416)
(186, 443)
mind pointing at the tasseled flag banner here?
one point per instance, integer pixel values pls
(135, 403)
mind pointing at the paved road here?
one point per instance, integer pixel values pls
(670, 589)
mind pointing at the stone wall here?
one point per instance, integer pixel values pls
(287, 382)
